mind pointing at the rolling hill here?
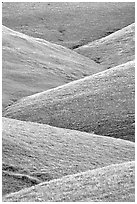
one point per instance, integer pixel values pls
(32, 65)
(112, 50)
(70, 24)
(115, 183)
(102, 103)
(68, 101)
(33, 153)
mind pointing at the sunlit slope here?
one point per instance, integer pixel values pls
(70, 24)
(102, 103)
(112, 50)
(34, 153)
(33, 65)
(115, 183)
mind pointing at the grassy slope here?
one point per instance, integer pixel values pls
(34, 152)
(70, 24)
(33, 65)
(112, 50)
(113, 183)
(102, 103)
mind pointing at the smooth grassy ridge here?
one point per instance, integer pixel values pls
(34, 153)
(102, 103)
(112, 50)
(115, 183)
(32, 65)
(71, 24)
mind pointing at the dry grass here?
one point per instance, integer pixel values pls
(33, 65)
(102, 103)
(35, 152)
(115, 183)
(68, 23)
(115, 49)
(55, 144)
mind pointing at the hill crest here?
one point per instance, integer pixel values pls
(65, 152)
(109, 95)
(33, 65)
(103, 184)
(112, 50)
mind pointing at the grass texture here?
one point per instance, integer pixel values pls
(31, 65)
(115, 183)
(102, 103)
(112, 50)
(70, 24)
(33, 153)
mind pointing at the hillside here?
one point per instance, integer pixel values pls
(32, 65)
(70, 24)
(68, 102)
(102, 103)
(115, 183)
(112, 50)
(33, 153)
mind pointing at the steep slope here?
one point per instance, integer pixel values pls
(34, 153)
(102, 103)
(115, 183)
(33, 65)
(112, 50)
(68, 23)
